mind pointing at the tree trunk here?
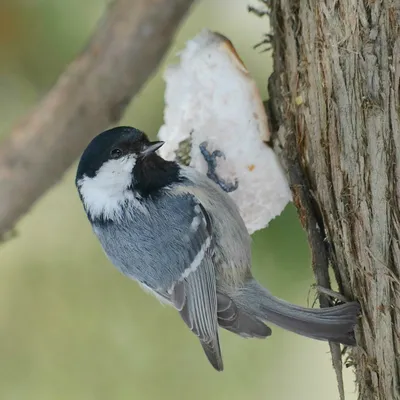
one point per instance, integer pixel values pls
(335, 107)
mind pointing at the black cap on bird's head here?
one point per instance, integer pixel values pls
(113, 144)
(123, 158)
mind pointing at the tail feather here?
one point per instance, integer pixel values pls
(237, 321)
(335, 324)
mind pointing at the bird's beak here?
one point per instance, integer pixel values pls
(151, 148)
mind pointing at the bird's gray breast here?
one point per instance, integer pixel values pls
(157, 243)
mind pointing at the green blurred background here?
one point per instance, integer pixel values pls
(72, 327)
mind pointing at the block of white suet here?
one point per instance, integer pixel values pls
(210, 97)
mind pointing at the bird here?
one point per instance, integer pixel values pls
(180, 236)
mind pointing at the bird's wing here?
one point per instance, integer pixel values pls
(195, 293)
(171, 255)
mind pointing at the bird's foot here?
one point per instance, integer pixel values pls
(211, 160)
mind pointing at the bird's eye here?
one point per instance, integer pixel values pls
(116, 153)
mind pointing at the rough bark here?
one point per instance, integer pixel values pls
(335, 100)
(92, 93)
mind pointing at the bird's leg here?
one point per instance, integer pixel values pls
(211, 160)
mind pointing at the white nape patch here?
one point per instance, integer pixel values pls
(210, 96)
(105, 193)
(194, 264)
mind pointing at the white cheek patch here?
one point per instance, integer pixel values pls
(105, 193)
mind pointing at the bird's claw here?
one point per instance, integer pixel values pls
(211, 160)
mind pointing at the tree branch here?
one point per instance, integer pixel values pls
(337, 70)
(92, 93)
(285, 146)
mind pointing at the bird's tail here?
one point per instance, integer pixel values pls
(335, 324)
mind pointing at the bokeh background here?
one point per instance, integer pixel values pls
(72, 327)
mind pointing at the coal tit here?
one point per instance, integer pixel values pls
(180, 236)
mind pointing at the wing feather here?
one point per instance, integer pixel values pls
(195, 294)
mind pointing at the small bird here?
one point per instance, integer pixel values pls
(181, 237)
